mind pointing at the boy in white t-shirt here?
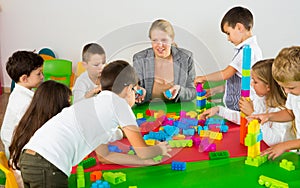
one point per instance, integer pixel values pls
(285, 71)
(25, 68)
(82, 127)
(88, 83)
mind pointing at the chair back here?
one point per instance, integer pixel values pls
(10, 181)
(59, 70)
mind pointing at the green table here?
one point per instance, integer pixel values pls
(230, 172)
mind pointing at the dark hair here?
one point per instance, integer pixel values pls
(91, 49)
(117, 75)
(238, 15)
(22, 62)
(48, 100)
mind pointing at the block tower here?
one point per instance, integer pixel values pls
(201, 98)
(245, 88)
(252, 141)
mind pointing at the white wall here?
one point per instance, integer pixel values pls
(122, 27)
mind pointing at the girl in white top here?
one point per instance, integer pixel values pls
(269, 98)
(71, 135)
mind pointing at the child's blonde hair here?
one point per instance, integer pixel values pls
(276, 97)
(286, 65)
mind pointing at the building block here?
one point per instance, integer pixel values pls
(132, 186)
(100, 183)
(218, 155)
(196, 141)
(179, 137)
(113, 148)
(199, 87)
(168, 94)
(206, 146)
(80, 177)
(192, 114)
(177, 165)
(180, 143)
(256, 161)
(96, 175)
(188, 132)
(288, 165)
(139, 92)
(157, 158)
(114, 178)
(139, 115)
(89, 162)
(270, 182)
(2, 178)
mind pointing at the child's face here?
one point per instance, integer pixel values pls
(95, 65)
(35, 78)
(234, 35)
(261, 89)
(161, 43)
(291, 87)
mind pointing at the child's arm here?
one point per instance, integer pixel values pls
(142, 150)
(107, 157)
(224, 74)
(231, 115)
(280, 116)
(92, 92)
(276, 150)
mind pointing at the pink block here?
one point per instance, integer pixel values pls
(245, 93)
(199, 87)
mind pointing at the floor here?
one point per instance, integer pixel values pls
(3, 104)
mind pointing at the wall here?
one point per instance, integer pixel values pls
(122, 27)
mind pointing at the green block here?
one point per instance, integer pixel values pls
(257, 161)
(2, 178)
(114, 178)
(219, 155)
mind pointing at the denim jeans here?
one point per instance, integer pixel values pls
(37, 172)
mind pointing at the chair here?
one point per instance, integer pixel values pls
(59, 70)
(10, 181)
(80, 69)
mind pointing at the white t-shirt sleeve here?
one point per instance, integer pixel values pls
(124, 113)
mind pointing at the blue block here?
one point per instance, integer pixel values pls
(259, 137)
(139, 92)
(177, 165)
(200, 94)
(171, 130)
(113, 148)
(246, 83)
(168, 94)
(201, 103)
(246, 57)
(140, 121)
(188, 132)
(200, 128)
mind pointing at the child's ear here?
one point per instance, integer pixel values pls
(84, 64)
(23, 78)
(240, 27)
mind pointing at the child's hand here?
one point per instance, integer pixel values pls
(274, 151)
(246, 106)
(141, 98)
(199, 79)
(209, 112)
(166, 148)
(174, 91)
(97, 89)
(262, 118)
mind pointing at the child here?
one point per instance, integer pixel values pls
(68, 137)
(25, 68)
(88, 83)
(285, 71)
(49, 99)
(237, 25)
(269, 98)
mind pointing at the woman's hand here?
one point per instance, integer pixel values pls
(174, 90)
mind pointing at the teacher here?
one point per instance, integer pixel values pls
(165, 71)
